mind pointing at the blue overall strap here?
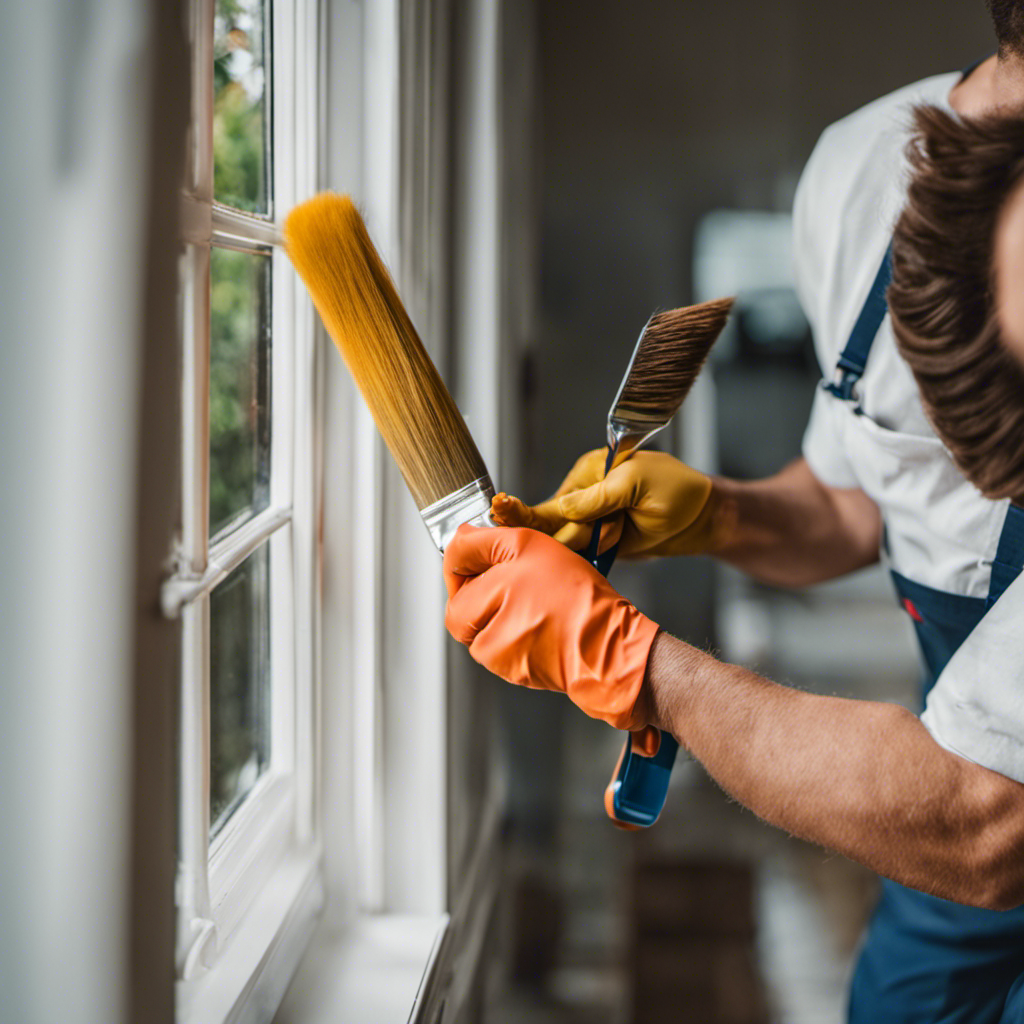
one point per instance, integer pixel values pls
(1006, 566)
(854, 357)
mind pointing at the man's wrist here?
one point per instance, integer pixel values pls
(710, 529)
(672, 669)
(721, 515)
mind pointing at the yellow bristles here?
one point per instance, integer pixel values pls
(357, 301)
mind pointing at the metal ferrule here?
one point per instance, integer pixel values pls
(628, 428)
(623, 438)
(470, 504)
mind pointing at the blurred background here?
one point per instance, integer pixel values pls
(541, 176)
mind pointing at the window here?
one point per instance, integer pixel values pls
(246, 583)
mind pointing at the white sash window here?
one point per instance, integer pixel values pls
(245, 584)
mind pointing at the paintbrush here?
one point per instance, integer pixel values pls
(668, 356)
(666, 360)
(352, 290)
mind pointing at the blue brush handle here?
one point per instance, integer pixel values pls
(637, 791)
(602, 563)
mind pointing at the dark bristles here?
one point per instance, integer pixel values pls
(357, 301)
(668, 359)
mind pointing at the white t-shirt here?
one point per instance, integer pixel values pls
(940, 531)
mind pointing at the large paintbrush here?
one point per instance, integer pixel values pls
(360, 307)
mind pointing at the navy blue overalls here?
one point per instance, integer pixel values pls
(926, 960)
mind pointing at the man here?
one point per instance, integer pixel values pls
(936, 805)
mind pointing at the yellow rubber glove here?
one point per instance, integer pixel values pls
(537, 615)
(665, 502)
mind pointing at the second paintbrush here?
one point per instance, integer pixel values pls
(668, 356)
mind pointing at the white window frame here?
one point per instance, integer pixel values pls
(412, 846)
(247, 901)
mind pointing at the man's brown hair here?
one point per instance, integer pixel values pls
(1008, 18)
(941, 299)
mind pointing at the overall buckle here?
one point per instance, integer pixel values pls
(843, 388)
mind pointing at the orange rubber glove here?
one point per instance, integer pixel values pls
(667, 506)
(538, 615)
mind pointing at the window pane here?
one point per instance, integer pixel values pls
(241, 125)
(239, 386)
(239, 685)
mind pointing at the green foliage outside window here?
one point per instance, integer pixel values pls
(239, 384)
(240, 125)
(239, 684)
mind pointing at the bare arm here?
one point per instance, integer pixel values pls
(863, 778)
(791, 529)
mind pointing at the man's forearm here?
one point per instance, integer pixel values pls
(790, 529)
(863, 778)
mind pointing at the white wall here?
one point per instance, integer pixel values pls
(75, 92)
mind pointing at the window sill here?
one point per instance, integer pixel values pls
(251, 974)
(375, 970)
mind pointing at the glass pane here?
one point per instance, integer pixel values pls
(239, 386)
(239, 685)
(241, 125)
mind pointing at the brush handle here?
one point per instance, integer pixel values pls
(636, 793)
(603, 562)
